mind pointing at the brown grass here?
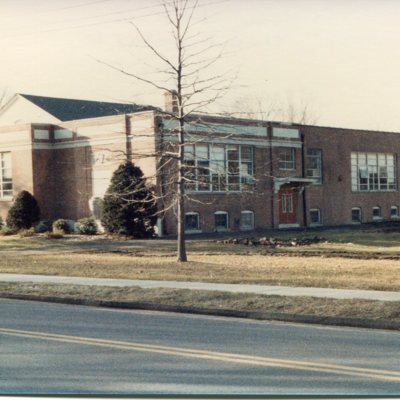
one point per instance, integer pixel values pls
(320, 265)
(364, 309)
(284, 270)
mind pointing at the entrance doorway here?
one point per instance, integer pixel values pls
(287, 206)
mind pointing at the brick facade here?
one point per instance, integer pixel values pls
(67, 165)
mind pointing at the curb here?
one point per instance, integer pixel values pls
(257, 315)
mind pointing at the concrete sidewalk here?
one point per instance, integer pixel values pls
(233, 288)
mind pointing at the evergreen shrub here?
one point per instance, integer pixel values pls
(24, 212)
(129, 207)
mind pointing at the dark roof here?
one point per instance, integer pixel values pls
(71, 109)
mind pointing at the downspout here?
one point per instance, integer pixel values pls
(303, 172)
(271, 171)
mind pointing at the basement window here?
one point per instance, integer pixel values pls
(247, 220)
(356, 215)
(315, 217)
(192, 222)
(221, 221)
(394, 212)
(376, 214)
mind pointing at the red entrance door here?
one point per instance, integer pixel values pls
(287, 206)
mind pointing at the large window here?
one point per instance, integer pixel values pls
(287, 158)
(314, 165)
(373, 172)
(218, 168)
(5, 176)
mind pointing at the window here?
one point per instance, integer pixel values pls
(247, 220)
(246, 167)
(376, 213)
(315, 216)
(221, 221)
(373, 172)
(394, 212)
(356, 215)
(6, 189)
(314, 165)
(287, 158)
(218, 168)
(233, 165)
(192, 221)
(287, 203)
(203, 168)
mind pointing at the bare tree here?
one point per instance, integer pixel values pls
(187, 78)
(291, 111)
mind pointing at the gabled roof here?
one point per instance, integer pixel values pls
(72, 109)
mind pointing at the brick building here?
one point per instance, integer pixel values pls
(242, 174)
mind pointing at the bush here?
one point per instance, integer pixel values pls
(87, 226)
(1, 223)
(5, 231)
(26, 232)
(44, 226)
(129, 207)
(24, 212)
(61, 226)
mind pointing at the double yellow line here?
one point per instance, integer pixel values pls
(379, 374)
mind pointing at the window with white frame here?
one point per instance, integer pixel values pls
(315, 216)
(192, 221)
(314, 165)
(287, 203)
(247, 220)
(218, 167)
(356, 215)
(394, 212)
(376, 213)
(287, 158)
(6, 187)
(373, 172)
(221, 220)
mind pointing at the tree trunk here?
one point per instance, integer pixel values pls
(182, 257)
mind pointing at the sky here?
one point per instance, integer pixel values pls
(339, 59)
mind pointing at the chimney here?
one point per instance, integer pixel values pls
(171, 101)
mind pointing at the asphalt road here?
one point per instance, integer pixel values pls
(63, 349)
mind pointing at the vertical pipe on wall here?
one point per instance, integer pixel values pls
(271, 170)
(128, 135)
(303, 172)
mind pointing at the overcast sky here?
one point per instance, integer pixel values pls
(338, 57)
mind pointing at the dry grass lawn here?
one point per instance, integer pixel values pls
(332, 272)
(361, 309)
(362, 259)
